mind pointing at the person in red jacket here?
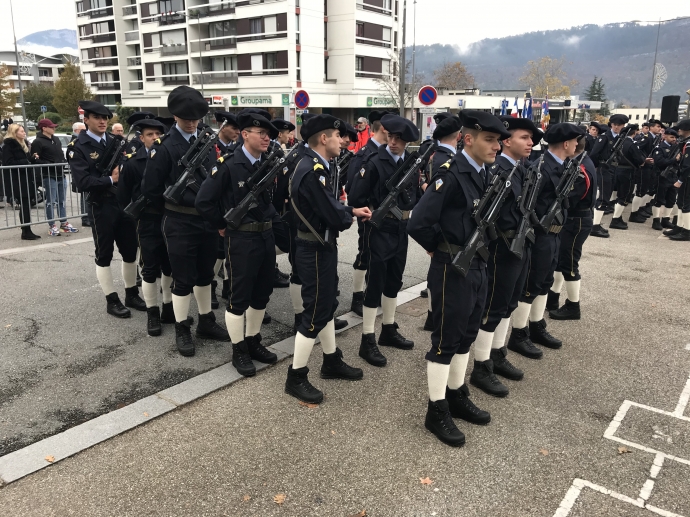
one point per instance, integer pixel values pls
(363, 135)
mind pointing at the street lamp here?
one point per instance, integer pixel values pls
(19, 73)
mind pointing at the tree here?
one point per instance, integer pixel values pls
(123, 113)
(453, 76)
(546, 76)
(8, 99)
(37, 95)
(70, 88)
(390, 84)
(596, 92)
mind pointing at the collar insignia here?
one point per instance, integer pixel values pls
(152, 153)
(439, 183)
(285, 170)
(322, 180)
(94, 156)
(316, 160)
(362, 171)
(240, 184)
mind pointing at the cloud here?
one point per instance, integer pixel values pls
(572, 41)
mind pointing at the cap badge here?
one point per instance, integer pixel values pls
(256, 123)
(336, 124)
(478, 127)
(506, 124)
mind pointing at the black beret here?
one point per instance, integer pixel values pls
(522, 123)
(447, 126)
(439, 117)
(305, 119)
(654, 122)
(633, 127)
(671, 132)
(257, 111)
(96, 108)
(225, 116)
(140, 115)
(397, 125)
(603, 128)
(187, 103)
(283, 125)
(618, 119)
(150, 123)
(376, 115)
(483, 121)
(683, 125)
(320, 123)
(563, 132)
(350, 130)
(168, 121)
(248, 120)
(645, 124)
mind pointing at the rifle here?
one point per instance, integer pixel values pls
(486, 213)
(670, 173)
(397, 186)
(656, 142)
(266, 175)
(617, 148)
(342, 164)
(531, 186)
(191, 161)
(555, 211)
(111, 156)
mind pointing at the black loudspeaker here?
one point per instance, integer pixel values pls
(669, 108)
(567, 103)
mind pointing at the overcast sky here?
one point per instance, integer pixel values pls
(455, 22)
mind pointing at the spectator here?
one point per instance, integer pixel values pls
(48, 148)
(77, 128)
(117, 129)
(19, 183)
(363, 135)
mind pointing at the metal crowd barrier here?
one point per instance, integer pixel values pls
(38, 194)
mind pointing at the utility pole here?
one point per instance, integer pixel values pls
(651, 86)
(19, 73)
(414, 52)
(401, 66)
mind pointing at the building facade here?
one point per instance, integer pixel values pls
(33, 68)
(240, 53)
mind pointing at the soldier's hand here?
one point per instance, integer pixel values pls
(116, 174)
(221, 232)
(678, 157)
(424, 186)
(677, 184)
(363, 213)
(649, 160)
(430, 253)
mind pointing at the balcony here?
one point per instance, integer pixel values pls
(175, 80)
(97, 13)
(263, 36)
(174, 49)
(134, 61)
(103, 61)
(99, 38)
(373, 42)
(170, 19)
(132, 36)
(365, 5)
(265, 71)
(222, 77)
(371, 75)
(129, 10)
(214, 44)
(44, 79)
(136, 85)
(217, 9)
(105, 86)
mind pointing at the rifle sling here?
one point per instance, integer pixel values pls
(316, 234)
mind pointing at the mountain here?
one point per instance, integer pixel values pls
(622, 54)
(57, 39)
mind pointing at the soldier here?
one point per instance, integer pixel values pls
(573, 236)
(442, 223)
(110, 224)
(562, 140)
(319, 218)
(630, 158)
(136, 143)
(154, 260)
(683, 184)
(251, 254)
(592, 136)
(506, 272)
(387, 244)
(192, 242)
(665, 199)
(378, 138)
(645, 177)
(605, 173)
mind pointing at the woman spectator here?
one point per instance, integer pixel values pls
(20, 182)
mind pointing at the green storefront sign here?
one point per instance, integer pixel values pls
(380, 101)
(251, 100)
(286, 99)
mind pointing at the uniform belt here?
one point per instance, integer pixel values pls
(151, 210)
(307, 236)
(508, 234)
(181, 209)
(451, 249)
(254, 227)
(625, 167)
(555, 229)
(405, 215)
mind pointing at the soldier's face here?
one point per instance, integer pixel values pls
(344, 141)
(332, 143)
(188, 126)
(396, 144)
(148, 136)
(483, 147)
(593, 131)
(655, 129)
(616, 128)
(520, 143)
(570, 147)
(671, 139)
(97, 124)
(645, 129)
(230, 133)
(283, 137)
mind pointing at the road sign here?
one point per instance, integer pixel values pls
(427, 95)
(44, 108)
(80, 110)
(301, 99)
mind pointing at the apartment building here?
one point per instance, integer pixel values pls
(33, 68)
(241, 53)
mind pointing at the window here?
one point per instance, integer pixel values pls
(167, 6)
(386, 34)
(386, 67)
(100, 28)
(222, 33)
(256, 26)
(44, 72)
(297, 28)
(387, 4)
(98, 4)
(359, 63)
(637, 117)
(105, 77)
(85, 55)
(173, 69)
(221, 64)
(360, 30)
(325, 69)
(271, 60)
(80, 7)
(82, 30)
(270, 26)
(257, 63)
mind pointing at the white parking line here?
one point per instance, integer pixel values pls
(24, 249)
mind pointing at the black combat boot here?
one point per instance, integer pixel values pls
(339, 324)
(617, 223)
(281, 274)
(214, 299)
(439, 421)
(241, 359)
(258, 352)
(153, 323)
(167, 313)
(369, 351)
(133, 300)
(298, 385)
(637, 217)
(672, 231)
(683, 235)
(520, 342)
(484, 378)
(646, 211)
(356, 305)
(334, 367)
(666, 222)
(280, 280)
(267, 319)
(599, 231)
(503, 367)
(569, 311)
(552, 300)
(115, 307)
(226, 289)
(391, 337)
(429, 323)
(540, 336)
(424, 293)
(209, 329)
(656, 224)
(461, 406)
(183, 339)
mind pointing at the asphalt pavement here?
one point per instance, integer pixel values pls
(558, 445)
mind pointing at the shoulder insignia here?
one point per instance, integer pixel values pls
(71, 144)
(446, 165)
(128, 156)
(322, 179)
(439, 183)
(214, 170)
(240, 184)
(362, 171)
(285, 170)
(94, 156)
(152, 153)
(221, 159)
(71, 154)
(317, 166)
(601, 139)
(134, 149)
(475, 203)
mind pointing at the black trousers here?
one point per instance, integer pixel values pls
(643, 178)
(387, 258)
(624, 184)
(666, 193)
(684, 197)
(318, 269)
(362, 258)
(111, 226)
(506, 279)
(251, 264)
(457, 303)
(153, 260)
(291, 227)
(605, 181)
(573, 236)
(220, 252)
(542, 265)
(192, 246)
